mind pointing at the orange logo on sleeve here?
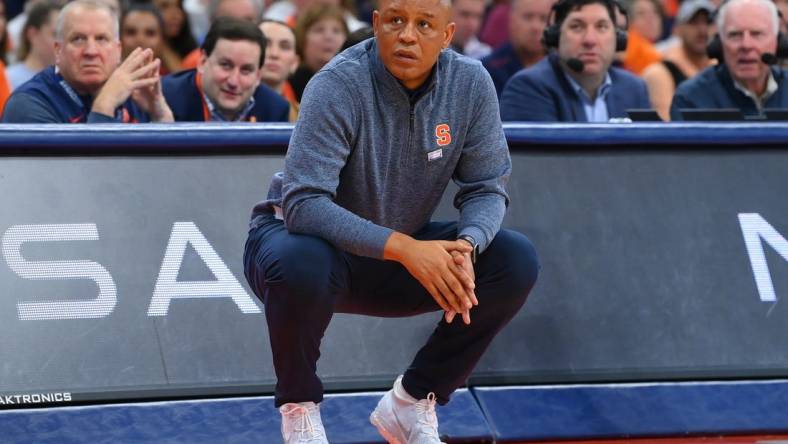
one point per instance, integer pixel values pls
(443, 134)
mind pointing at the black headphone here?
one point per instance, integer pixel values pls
(714, 48)
(552, 33)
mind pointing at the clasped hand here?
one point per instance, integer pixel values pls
(443, 268)
(138, 77)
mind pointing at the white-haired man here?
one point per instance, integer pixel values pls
(745, 79)
(88, 83)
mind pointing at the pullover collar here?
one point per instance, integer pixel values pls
(392, 85)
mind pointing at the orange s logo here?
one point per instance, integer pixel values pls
(443, 134)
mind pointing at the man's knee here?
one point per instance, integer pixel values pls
(299, 264)
(517, 261)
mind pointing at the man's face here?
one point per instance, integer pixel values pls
(646, 19)
(89, 51)
(322, 42)
(467, 16)
(695, 33)
(230, 75)
(174, 17)
(747, 34)
(527, 20)
(410, 36)
(140, 29)
(588, 34)
(240, 9)
(280, 55)
(42, 40)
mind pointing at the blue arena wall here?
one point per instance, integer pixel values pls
(662, 246)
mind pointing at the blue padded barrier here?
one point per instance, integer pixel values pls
(635, 410)
(196, 137)
(235, 420)
(638, 135)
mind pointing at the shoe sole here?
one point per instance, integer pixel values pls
(373, 418)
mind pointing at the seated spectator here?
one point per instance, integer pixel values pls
(290, 11)
(90, 84)
(249, 10)
(782, 7)
(16, 25)
(320, 33)
(357, 36)
(37, 48)
(495, 30)
(142, 26)
(527, 21)
(645, 27)
(646, 17)
(5, 88)
(467, 16)
(576, 83)
(5, 85)
(684, 60)
(226, 87)
(281, 61)
(748, 35)
(178, 38)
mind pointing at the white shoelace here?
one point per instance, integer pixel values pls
(425, 414)
(306, 428)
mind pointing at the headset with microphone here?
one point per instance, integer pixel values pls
(551, 35)
(714, 50)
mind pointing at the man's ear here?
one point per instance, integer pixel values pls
(375, 22)
(448, 34)
(202, 62)
(31, 33)
(58, 49)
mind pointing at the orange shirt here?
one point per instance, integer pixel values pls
(640, 53)
(5, 88)
(671, 7)
(288, 93)
(191, 60)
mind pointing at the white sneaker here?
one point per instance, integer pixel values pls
(401, 419)
(301, 423)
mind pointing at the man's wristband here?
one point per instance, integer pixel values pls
(474, 245)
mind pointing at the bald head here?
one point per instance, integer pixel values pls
(467, 16)
(444, 5)
(527, 20)
(73, 11)
(742, 7)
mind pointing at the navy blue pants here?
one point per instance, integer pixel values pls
(303, 280)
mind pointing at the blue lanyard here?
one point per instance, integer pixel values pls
(75, 98)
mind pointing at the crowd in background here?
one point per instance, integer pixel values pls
(666, 44)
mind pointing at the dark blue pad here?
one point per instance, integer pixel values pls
(665, 409)
(236, 420)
